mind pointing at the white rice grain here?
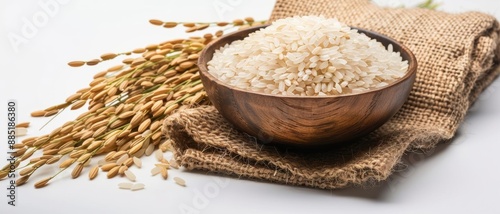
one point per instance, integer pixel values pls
(137, 186)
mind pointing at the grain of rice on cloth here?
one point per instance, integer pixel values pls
(307, 56)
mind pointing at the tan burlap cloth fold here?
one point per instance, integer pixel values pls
(458, 56)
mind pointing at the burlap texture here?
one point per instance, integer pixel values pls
(457, 55)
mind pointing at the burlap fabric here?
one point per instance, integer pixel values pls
(457, 55)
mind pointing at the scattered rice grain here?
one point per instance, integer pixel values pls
(180, 181)
(164, 173)
(159, 155)
(156, 170)
(137, 186)
(150, 149)
(23, 125)
(137, 161)
(174, 164)
(125, 185)
(21, 132)
(93, 172)
(130, 175)
(122, 159)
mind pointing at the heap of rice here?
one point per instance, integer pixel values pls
(307, 56)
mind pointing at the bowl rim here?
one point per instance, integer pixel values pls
(412, 66)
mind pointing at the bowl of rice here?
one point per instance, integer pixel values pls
(307, 81)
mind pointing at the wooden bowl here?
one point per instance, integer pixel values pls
(306, 121)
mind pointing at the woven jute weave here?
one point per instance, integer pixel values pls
(458, 56)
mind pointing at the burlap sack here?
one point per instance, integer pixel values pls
(458, 56)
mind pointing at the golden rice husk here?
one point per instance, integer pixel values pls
(23, 125)
(93, 172)
(39, 113)
(113, 172)
(108, 56)
(156, 22)
(76, 63)
(77, 171)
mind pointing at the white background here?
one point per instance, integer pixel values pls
(460, 177)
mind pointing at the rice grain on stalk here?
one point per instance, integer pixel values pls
(126, 106)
